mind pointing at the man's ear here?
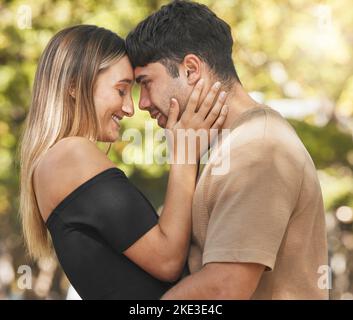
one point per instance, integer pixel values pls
(192, 68)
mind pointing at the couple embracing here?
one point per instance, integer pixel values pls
(254, 232)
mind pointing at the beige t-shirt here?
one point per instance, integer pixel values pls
(267, 209)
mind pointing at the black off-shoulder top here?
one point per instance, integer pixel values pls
(92, 227)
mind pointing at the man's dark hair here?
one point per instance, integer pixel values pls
(180, 28)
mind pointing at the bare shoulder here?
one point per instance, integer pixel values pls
(64, 167)
(73, 155)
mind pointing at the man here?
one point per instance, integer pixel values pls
(259, 229)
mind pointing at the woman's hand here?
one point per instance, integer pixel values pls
(167, 243)
(191, 136)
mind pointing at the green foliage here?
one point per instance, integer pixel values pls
(327, 145)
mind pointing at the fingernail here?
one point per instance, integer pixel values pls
(201, 82)
(222, 95)
(217, 85)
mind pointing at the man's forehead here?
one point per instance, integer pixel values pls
(141, 72)
(147, 70)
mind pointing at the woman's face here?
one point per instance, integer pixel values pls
(112, 98)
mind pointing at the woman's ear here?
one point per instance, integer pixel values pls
(192, 68)
(72, 92)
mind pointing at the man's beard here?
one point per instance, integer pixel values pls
(162, 120)
(182, 102)
(176, 93)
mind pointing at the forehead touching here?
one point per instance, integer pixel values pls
(152, 70)
(121, 70)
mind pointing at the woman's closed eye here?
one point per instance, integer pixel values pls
(122, 93)
(122, 89)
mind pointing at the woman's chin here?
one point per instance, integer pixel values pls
(110, 137)
(113, 139)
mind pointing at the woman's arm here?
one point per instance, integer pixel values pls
(162, 251)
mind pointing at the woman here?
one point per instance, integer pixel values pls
(105, 233)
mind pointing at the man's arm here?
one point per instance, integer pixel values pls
(218, 281)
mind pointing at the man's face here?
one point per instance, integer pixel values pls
(157, 88)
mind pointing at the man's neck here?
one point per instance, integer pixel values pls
(238, 102)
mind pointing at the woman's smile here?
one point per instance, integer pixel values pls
(116, 119)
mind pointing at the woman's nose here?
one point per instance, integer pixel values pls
(128, 109)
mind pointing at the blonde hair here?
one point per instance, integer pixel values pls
(71, 61)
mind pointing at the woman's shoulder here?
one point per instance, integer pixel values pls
(75, 147)
(73, 155)
(63, 168)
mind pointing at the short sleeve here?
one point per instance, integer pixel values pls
(110, 208)
(250, 206)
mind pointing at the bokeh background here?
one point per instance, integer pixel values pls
(294, 55)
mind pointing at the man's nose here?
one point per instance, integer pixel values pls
(144, 101)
